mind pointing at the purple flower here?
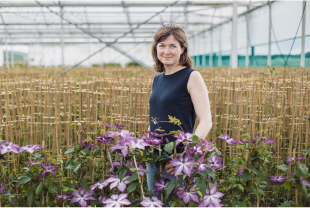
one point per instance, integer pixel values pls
(82, 196)
(117, 200)
(292, 174)
(2, 191)
(267, 141)
(307, 183)
(105, 139)
(137, 144)
(85, 144)
(122, 133)
(155, 134)
(279, 179)
(206, 145)
(121, 146)
(290, 159)
(114, 125)
(196, 150)
(102, 198)
(212, 197)
(6, 147)
(161, 185)
(215, 162)
(63, 196)
(227, 139)
(115, 182)
(238, 142)
(30, 148)
(183, 164)
(31, 163)
(189, 194)
(151, 141)
(151, 202)
(182, 137)
(48, 169)
(201, 166)
(99, 185)
(240, 172)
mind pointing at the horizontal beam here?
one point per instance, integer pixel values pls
(181, 4)
(69, 42)
(156, 24)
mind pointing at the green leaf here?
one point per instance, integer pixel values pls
(77, 148)
(96, 151)
(303, 169)
(38, 155)
(86, 151)
(47, 198)
(48, 183)
(39, 189)
(288, 185)
(201, 184)
(131, 188)
(69, 162)
(53, 190)
(169, 147)
(30, 198)
(307, 152)
(255, 191)
(283, 167)
(241, 187)
(207, 172)
(169, 189)
(242, 204)
(84, 185)
(260, 174)
(70, 151)
(122, 174)
(286, 204)
(133, 177)
(71, 167)
(60, 172)
(231, 163)
(304, 189)
(261, 192)
(37, 166)
(195, 138)
(77, 160)
(23, 179)
(246, 175)
(77, 168)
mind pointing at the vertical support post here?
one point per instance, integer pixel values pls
(234, 55)
(269, 38)
(12, 57)
(303, 34)
(220, 46)
(211, 48)
(247, 38)
(62, 38)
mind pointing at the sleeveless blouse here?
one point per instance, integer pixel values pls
(170, 96)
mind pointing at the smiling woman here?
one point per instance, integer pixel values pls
(179, 92)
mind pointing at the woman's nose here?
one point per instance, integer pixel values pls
(167, 50)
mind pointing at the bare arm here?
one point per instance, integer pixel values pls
(199, 95)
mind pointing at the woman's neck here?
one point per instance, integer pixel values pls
(172, 69)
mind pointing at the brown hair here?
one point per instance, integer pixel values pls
(161, 35)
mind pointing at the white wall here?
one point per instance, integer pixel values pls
(50, 54)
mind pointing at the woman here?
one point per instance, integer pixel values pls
(178, 91)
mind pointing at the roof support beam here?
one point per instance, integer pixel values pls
(234, 55)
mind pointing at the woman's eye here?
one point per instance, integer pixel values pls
(161, 46)
(173, 46)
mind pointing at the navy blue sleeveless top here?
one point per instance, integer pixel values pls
(171, 97)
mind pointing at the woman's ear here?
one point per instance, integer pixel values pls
(182, 50)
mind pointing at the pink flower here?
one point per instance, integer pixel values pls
(196, 149)
(290, 159)
(161, 185)
(63, 196)
(183, 164)
(48, 169)
(117, 200)
(105, 139)
(201, 166)
(82, 196)
(307, 183)
(99, 185)
(151, 202)
(137, 144)
(206, 145)
(183, 137)
(227, 139)
(212, 197)
(6, 147)
(31, 163)
(215, 162)
(279, 179)
(30, 148)
(115, 182)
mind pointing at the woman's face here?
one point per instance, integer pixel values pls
(169, 51)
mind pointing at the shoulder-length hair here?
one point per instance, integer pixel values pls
(161, 35)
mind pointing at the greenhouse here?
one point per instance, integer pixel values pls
(122, 103)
